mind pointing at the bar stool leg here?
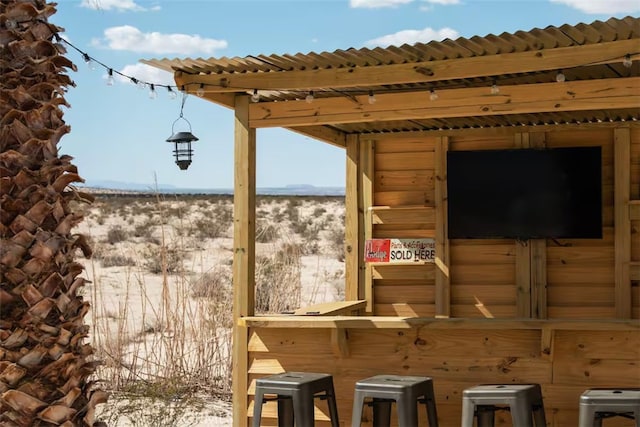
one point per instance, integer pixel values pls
(430, 403)
(468, 409)
(285, 411)
(358, 405)
(333, 409)
(636, 415)
(521, 413)
(257, 408)
(587, 416)
(486, 416)
(407, 415)
(302, 410)
(381, 412)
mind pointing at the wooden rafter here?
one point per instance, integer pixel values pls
(415, 72)
(600, 94)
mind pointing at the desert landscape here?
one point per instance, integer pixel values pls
(161, 292)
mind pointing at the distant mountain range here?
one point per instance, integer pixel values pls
(289, 190)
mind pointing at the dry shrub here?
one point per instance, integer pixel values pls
(163, 259)
(266, 232)
(278, 280)
(116, 234)
(117, 260)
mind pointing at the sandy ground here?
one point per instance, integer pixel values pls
(141, 318)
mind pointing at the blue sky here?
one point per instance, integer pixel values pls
(118, 133)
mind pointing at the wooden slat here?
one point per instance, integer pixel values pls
(578, 371)
(404, 198)
(443, 258)
(634, 210)
(599, 344)
(416, 294)
(416, 271)
(405, 161)
(482, 274)
(244, 238)
(634, 270)
(538, 278)
(486, 65)
(622, 154)
(405, 310)
(523, 279)
(331, 308)
(402, 214)
(520, 99)
(403, 180)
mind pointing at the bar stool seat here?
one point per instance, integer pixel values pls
(596, 404)
(405, 391)
(295, 392)
(524, 401)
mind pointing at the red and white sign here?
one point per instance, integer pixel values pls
(400, 250)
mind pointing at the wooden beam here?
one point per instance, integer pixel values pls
(340, 342)
(618, 93)
(351, 229)
(367, 176)
(323, 133)
(622, 221)
(634, 210)
(244, 238)
(416, 72)
(442, 279)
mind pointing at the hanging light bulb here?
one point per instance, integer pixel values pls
(560, 77)
(141, 85)
(134, 80)
(372, 97)
(200, 91)
(627, 61)
(494, 88)
(88, 61)
(152, 91)
(256, 96)
(172, 93)
(110, 80)
(309, 97)
(433, 95)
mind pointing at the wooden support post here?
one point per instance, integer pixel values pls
(546, 347)
(340, 342)
(365, 282)
(442, 279)
(523, 256)
(622, 222)
(244, 238)
(352, 220)
(538, 248)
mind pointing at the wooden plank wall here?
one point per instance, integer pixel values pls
(635, 222)
(455, 359)
(487, 276)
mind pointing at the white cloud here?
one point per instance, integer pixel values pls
(374, 4)
(145, 73)
(121, 5)
(131, 39)
(608, 7)
(413, 36)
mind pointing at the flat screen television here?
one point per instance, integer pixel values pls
(525, 193)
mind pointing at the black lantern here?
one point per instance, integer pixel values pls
(182, 141)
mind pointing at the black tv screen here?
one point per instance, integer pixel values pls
(525, 193)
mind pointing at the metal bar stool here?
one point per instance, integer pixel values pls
(295, 392)
(524, 401)
(406, 391)
(597, 404)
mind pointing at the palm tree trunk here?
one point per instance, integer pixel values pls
(45, 363)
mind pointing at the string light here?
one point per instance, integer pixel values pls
(200, 91)
(152, 91)
(88, 61)
(309, 98)
(172, 93)
(433, 95)
(627, 61)
(371, 98)
(494, 88)
(256, 96)
(560, 77)
(110, 80)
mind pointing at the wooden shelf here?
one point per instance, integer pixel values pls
(634, 210)
(393, 322)
(402, 214)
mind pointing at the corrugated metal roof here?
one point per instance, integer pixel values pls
(520, 41)
(537, 39)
